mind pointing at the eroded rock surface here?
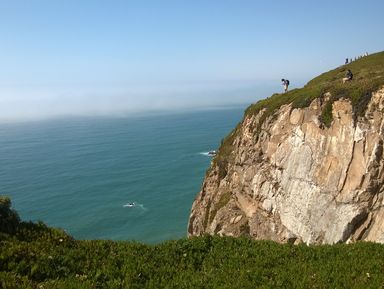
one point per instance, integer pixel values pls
(294, 180)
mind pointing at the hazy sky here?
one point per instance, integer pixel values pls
(101, 57)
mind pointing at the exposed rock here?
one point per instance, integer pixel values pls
(297, 181)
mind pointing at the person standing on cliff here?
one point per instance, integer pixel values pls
(285, 83)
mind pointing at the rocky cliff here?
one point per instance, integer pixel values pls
(306, 166)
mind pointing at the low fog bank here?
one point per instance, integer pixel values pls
(27, 105)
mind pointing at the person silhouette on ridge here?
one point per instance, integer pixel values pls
(285, 83)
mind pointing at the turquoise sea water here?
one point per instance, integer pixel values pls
(78, 174)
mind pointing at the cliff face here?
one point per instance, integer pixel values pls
(289, 178)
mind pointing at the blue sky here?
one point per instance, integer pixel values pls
(101, 57)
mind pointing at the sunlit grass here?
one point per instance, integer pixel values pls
(41, 257)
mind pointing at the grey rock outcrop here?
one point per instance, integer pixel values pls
(295, 180)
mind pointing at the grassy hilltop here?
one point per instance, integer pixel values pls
(33, 255)
(368, 76)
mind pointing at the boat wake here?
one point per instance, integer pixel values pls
(134, 205)
(208, 154)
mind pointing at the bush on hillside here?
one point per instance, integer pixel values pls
(9, 219)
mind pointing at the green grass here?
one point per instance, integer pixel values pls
(51, 260)
(368, 77)
(36, 256)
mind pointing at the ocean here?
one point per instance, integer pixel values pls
(81, 174)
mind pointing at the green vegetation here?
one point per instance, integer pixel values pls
(368, 77)
(36, 256)
(223, 156)
(224, 199)
(9, 219)
(206, 216)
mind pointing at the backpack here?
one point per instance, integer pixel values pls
(287, 81)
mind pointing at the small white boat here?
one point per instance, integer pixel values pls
(212, 153)
(129, 205)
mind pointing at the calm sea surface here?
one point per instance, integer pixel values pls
(78, 174)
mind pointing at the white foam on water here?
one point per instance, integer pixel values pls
(208, 154)
(134, 205)
(141, 206)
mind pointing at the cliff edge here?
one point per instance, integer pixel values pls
(305, 166)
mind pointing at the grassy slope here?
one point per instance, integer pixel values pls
(40, 257)
(49, 258)
(368, 77)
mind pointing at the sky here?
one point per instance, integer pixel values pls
(94, 57)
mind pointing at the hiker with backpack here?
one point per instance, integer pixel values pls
(348, 76)
(285, 84)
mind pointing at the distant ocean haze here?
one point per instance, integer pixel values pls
(79, 173)
(20, 103)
